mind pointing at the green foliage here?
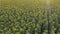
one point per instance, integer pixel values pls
(29, 17)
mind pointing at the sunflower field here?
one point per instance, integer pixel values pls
(29, 16)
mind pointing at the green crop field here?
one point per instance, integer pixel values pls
(29, 16)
